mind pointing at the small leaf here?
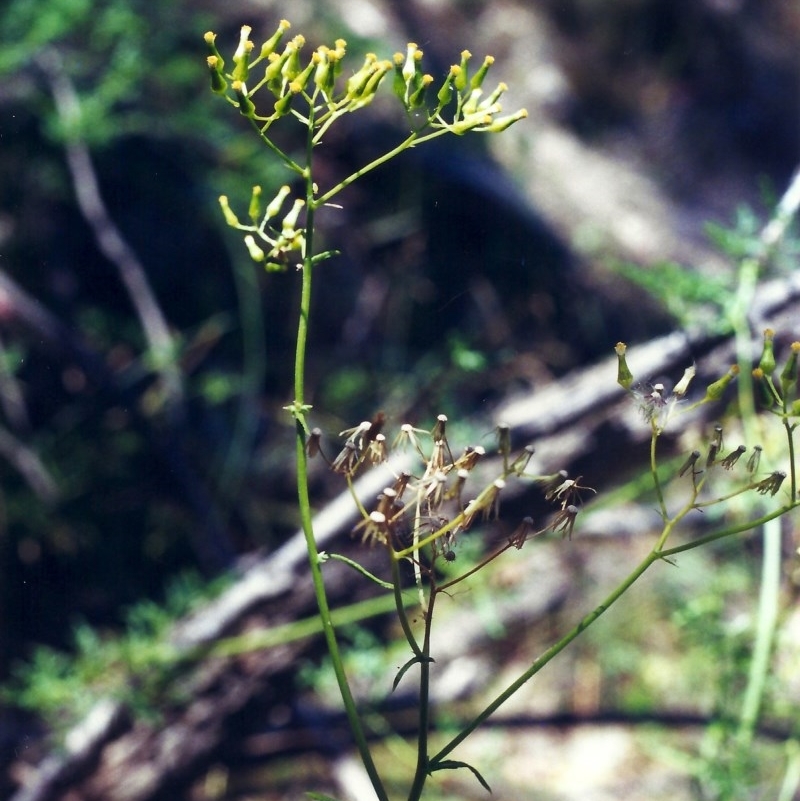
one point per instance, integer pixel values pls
(403, 670)
(321, 797)
(453, 764)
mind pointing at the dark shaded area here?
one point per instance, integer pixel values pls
(707, 86)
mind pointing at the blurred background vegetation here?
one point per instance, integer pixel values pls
(122, 465)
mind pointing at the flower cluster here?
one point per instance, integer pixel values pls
(431, 509)
(316, 81)
(284, 243)
(780, 395)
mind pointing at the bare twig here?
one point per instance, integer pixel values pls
(110, 240)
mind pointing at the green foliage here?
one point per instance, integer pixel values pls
(691, 298)
(137, 668)
(699, 299)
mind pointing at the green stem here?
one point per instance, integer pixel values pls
(765, 632)
(657, 554)
(792, 467)
(410, 141)
(547, 656)
(740, 528)
(304, 500)
(654, 472)
(400, 605)
(423, 722)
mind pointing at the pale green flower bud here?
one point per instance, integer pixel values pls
(767, 362)
(399, 82)
(502, 123)
(256, 253)
(789, 373)
(275, 204)
(301, 81)
(462, 76)
(227, 212)
(284, 102)
(337, 56)
(290, 220)
(323, 74)
(715, 391)
(291, 67)
(358, 81)
(273, 73)
(254, 211)
(241, 58)
(494, 97)
(413, 56)
(471, 104)
(445, 94)
(624, 375)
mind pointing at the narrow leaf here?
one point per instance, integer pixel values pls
(403, 670)
(453, 764)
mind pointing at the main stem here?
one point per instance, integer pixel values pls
(304, 500)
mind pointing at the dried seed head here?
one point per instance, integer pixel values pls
(730, 460)
(503, 439)
(771, 484)
(438, 433)
(470, 457)
(521, 533)
(347, 460)
(373, 528)
(564, 521)
(520, 464)
(690, 463)
(313, 442)
(755, 459)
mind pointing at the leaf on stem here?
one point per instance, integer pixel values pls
(403, 670)
(453, 764)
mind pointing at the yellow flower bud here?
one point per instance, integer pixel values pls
(241, 58)
(218, 82)
(210, 39)
(417, 99)
(477, 79)
(269, 46)
(462, 76)
(413, 55)
(246, 107)
(624, 375)
(291, 68)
